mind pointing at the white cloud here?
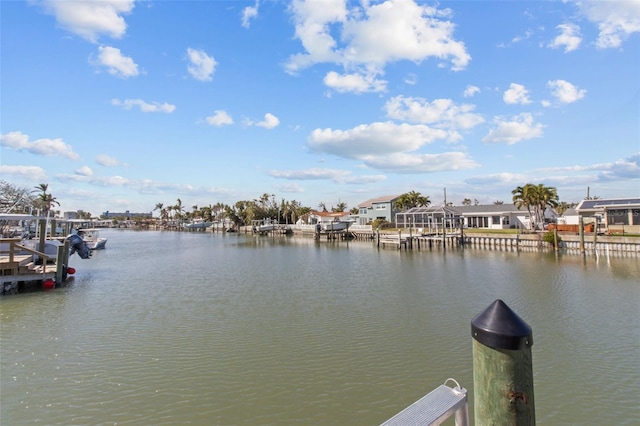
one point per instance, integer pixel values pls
(623, 169)
(390, 147)
(249, 13)
(520, 127)
(442, 113)
(369, 36)
(379, 138)
(84, 171)
(32, 173)
(116, 63)
(90, 19)
(616, 20)
(516, 94)
(569, 37)
(47, 147)
(202, 65)
(270, 121)
(565, 92)
(108, 161)
(144, 106)
(356, 83)
(470, 91)
(219, 118)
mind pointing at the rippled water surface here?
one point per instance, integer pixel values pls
(202, 329)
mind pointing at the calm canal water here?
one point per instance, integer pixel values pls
(167, 328)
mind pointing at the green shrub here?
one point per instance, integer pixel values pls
(550, 237)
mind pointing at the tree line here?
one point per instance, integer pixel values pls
(535, 198)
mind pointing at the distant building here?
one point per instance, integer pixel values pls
(378, 208)
(127, 215)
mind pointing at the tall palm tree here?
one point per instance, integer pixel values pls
(411, 199)
(536, 197)
(45, 200)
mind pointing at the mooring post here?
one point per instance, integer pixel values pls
(502, 369)
(581, 232)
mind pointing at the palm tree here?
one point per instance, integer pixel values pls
(536, 197)
(341, 207)
(44, 200)
(411, 199)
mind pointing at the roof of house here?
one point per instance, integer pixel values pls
(602, 204)
(384, 199)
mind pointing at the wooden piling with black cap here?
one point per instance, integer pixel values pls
(502, 367)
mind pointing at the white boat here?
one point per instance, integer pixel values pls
(92, 239)
(198, 224)
(337, 225)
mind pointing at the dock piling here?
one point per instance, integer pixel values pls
(502, 367)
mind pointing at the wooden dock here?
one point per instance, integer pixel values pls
(22, 267)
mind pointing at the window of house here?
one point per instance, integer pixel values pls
(505, 220)
(618, 217)
(635, 217)
(495, 220)
(381, 207)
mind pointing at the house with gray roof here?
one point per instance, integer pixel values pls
(490, 216)
(378, 208)
(617, 214)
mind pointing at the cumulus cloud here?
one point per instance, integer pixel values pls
(219, 118)
(270, 121)
(90, 19)
(616, 20)
(116, 63)
(569, 37)
(47, 147)
(379, 138)
(389, 146)
(33, 173)
(144, 106)
(441, 113)
(516, 94)
(565, 92)
(249, 13)
(518, 128)
(356, 83)
(470, 91)
(367, 37)
(202, 65)
(84, 171)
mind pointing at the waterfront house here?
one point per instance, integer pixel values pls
(327, 217)
(618, 215)
(378, 208)
(491, 216)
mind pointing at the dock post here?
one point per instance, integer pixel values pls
(502, 367)
(581, 231)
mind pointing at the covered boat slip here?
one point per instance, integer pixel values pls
(37, 251)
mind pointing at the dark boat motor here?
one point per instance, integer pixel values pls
(78, 245)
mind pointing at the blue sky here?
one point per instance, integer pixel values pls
(119, 105)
